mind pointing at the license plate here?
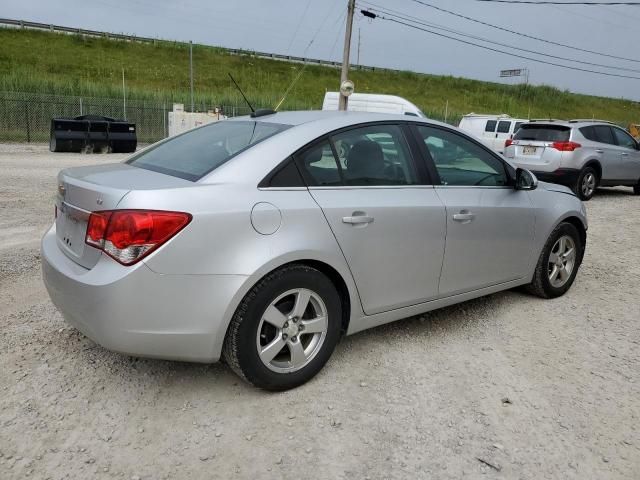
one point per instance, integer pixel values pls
(529, 150)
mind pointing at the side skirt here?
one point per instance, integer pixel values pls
(366, 322)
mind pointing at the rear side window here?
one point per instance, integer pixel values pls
(589, 133)
(504, 127)
(375, 155)
(491, 126)
(543, 133)
(517, 127)
(604, 134)
(195, 153)
(318, 166)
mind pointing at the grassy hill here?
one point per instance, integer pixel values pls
(44, 62)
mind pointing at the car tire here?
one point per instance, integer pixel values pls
(586, 184)
(299, 352)
(545, 284)
(636, 188)
(54, 146)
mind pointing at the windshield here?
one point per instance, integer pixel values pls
(197, 152)
(543, 133)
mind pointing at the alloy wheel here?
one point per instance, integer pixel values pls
(588, 184)
(292, 330)
(562, 261)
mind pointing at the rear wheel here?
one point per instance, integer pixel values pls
(559, 262)
(586, 184)
(285, 329)
(53, 144)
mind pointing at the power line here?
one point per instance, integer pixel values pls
(522, 34)
(531, 2)
(482, 39)
(504, 52)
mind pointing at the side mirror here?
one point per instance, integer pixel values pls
(525, 180)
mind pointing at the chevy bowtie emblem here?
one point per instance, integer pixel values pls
(61, 189)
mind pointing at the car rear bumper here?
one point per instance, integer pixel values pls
(562, 176)
(135, 311)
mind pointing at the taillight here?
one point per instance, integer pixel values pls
(129, 235)
(566, 146)
(508, 142)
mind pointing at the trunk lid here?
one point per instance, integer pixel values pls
(83, 190)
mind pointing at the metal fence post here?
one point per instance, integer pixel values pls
(26, 118)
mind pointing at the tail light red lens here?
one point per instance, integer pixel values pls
(566, 146)
(130, 235)
(508, 142)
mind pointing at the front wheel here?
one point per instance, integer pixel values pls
(285, 328)
(586, 184)
(559, 262)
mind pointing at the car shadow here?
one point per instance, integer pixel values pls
(614, 192)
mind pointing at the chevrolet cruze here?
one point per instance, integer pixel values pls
(262, 239)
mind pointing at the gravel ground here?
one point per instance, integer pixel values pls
(506, 386)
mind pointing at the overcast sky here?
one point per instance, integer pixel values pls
(288, 26)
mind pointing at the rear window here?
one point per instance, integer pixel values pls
(195, 153)
(543, 133)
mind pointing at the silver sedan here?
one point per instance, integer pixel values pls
(263, 239)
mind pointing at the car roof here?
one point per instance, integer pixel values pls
(570, 123)
(345, 118)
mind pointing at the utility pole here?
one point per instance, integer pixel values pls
(358, 60)
(191, 71)
(124, 97)
(345, 57)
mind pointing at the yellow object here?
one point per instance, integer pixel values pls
(634, 130)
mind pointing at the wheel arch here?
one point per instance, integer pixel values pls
(340, 276)
(596, 165)
(577, 222)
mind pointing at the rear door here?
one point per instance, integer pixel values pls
(503, 132)
(607, 148)
(386, 217)
(490, 225)
(629, 156)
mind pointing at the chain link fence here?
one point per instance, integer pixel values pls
(26, 117)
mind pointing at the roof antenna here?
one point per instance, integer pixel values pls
(254, 113)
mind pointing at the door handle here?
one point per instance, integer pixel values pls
(624, 154)
(599, 151)
(463, 217)
(357, 219)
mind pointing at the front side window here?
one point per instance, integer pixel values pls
(504, 127)
(375, 155)
(461, 162)
(491, 126)
(624, 139)
(197, 152)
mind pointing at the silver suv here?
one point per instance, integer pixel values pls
(581, 154)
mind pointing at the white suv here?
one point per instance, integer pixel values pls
(582, 154)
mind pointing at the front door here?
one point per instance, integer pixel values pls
(388, 223)
(627, 149)
(490, 225)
